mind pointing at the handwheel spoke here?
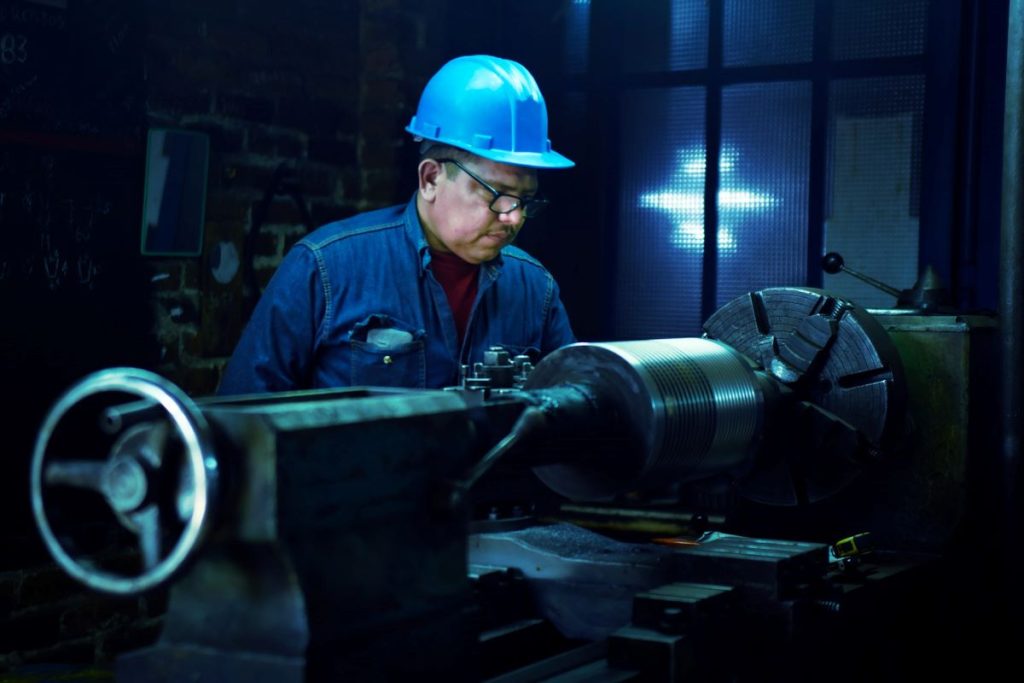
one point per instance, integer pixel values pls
(155, 445)
(148, 522)
(83, 474)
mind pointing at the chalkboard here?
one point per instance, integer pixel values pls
(71, 163)
(74, 293)
(71, 66)
(71, 120)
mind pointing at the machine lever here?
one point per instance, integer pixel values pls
(927, 294)
(529, 421)
(833, 263)
(116, 418)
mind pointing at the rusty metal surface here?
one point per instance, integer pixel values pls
(948, 362)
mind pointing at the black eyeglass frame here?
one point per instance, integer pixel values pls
(531, 206)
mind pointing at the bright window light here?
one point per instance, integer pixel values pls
(684, 202)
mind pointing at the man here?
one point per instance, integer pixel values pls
(403, 296)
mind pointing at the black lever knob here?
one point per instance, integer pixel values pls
(832, 262)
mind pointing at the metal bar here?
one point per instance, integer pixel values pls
(529, 421)
(965, 259)
(560, 663)
(762, 73)
(1011, 282)
(937, 205)
(713, 147)
(116, 418)
(817, 188)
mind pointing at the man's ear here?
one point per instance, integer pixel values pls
(429, 172)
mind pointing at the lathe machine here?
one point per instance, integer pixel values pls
(769, 501)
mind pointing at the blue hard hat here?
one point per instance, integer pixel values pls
(491, 107)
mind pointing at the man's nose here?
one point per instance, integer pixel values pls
(513, 217)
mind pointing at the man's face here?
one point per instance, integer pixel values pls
(457, 217)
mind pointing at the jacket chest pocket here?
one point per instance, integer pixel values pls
(388, 356)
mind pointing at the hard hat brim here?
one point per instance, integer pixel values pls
(549, 159)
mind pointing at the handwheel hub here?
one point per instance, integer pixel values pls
(125, 484)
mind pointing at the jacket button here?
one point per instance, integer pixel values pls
(388, 360)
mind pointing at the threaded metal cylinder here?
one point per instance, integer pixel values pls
(691, 407)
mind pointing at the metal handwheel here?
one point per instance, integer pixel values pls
(157, 477)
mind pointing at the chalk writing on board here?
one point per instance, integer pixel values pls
(13, 48)
(14, 94)
(32, 16)
(66, 217)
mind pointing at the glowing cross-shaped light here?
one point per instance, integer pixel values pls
(686, 208)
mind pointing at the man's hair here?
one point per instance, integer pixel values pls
(439, 150)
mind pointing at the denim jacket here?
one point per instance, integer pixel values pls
(354, 304)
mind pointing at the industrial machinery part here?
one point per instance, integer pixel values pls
(846, 391)
(723, 607)
(928, 295)
(157, 479)
(833, 263)
(948, 361)
(683, 408)
(498, 370)
(339, 547)
(315, 488)
(790, 394)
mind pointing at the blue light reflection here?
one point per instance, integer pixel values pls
(683, 201)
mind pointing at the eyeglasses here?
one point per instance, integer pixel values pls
(503, 203)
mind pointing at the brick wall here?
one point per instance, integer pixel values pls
(319, 90)
(315, 90)
(51, 620)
